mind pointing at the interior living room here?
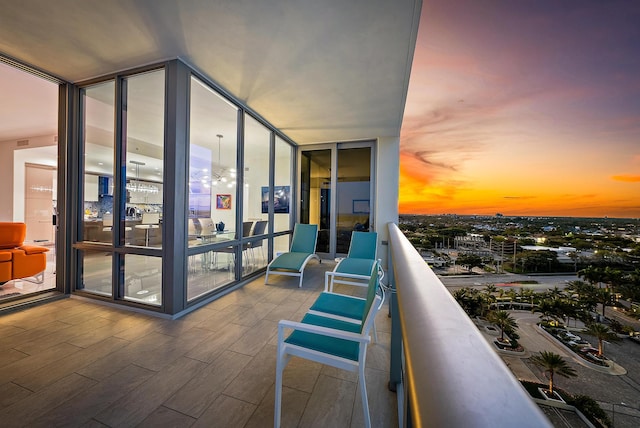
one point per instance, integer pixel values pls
(28, 167)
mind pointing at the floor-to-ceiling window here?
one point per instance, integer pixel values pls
(28, 171)
(229, 178)
(336, 193)
(353, 194)
(134, 172)
(315, 193)
(283, 207)
(255, 213)
(98, 104)
(212, 202)
(143, 148)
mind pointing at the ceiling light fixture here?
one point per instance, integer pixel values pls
(137, 186)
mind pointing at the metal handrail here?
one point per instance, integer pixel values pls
(451, 377)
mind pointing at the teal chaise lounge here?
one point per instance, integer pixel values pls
(303, 247)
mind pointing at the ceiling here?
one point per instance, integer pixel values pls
(324, 70)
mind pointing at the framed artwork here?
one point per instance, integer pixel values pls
(361, 206)
(223, 202)
(281, 196)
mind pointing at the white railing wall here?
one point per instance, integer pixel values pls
(445, 372)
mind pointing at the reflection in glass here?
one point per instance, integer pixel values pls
(144, 123)
(209, 271)
(143, 279)
(353, 191)
(212, 161)
(283, 173)
(281, 244)
(96, 272)
(255, 193)
(98, 119)
(315, 194)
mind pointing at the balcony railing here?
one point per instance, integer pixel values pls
(443, 369)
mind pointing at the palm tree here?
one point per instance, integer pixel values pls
(548, 310)
(553, 363)
(490, 288)
(512, 294)
(602, 333)
(555, 293)
(503, 320)
(592, 274)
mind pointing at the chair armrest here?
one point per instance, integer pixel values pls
(327, 274)
(33, 249)
(324, 331)
(346, 275)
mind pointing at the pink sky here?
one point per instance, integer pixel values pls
(524, 108)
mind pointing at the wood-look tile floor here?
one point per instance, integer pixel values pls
(76, 363)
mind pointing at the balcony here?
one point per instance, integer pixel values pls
(75, 362)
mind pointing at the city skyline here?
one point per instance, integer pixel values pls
(524, 108)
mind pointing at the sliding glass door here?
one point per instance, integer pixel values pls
(336, 193)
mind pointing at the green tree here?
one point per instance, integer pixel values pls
(538, 261)
(605, 298)
(469, 261)
(590, 408)
(503, 320)
(470, 301)
(553, 363)
(586, 294)
(592, 274)
(548, 310)
(490, 288)
(630, 288)
(601, 333)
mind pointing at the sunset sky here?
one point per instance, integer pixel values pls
(524, 108)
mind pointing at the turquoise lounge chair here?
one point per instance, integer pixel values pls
(356, 268)
(347, 308)
(329, 341)
(303, 247)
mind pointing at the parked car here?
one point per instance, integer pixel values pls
(581, 343)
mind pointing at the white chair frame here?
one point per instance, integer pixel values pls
(287, 350)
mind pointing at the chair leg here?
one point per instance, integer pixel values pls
(300, 284)
(37, 278)
(363, 393)
(278, 402)
(281, 363)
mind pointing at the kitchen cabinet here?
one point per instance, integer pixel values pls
(90, 188)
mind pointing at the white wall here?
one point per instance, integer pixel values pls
(387, 183)
(41, 150)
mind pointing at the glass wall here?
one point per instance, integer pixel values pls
(96, 272)
(315, 194)
(353, 192)
(98, 102)
(212, 201)
(282, 191)
(255, 214)
(143, 123)
(143, 279)
(120, 249)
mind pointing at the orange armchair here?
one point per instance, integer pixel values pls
(18, 260)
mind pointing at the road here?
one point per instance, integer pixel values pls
(618, 395)
(544, 282)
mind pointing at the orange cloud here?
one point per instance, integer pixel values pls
(626, 178)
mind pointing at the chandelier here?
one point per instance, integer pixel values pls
(137, 186)
(220, 175)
